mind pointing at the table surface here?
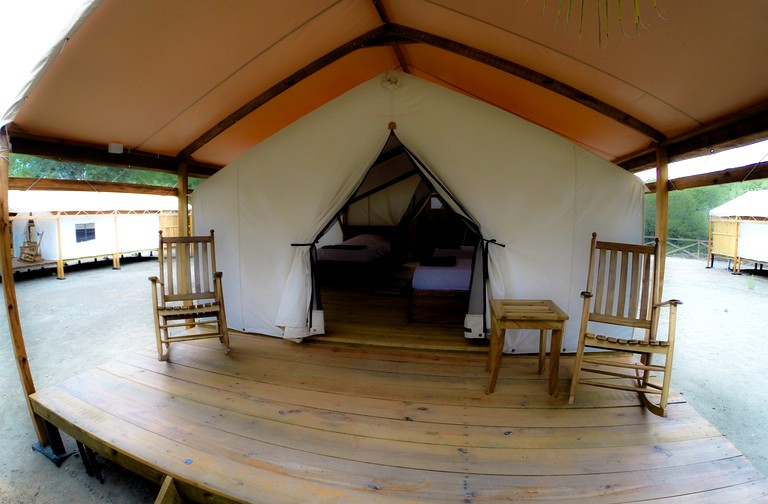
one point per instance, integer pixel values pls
(527, 309)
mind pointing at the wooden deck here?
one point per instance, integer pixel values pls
(366, 415)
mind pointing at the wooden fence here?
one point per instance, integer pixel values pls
(684, 247)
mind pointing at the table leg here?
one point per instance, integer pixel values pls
(495, 350)
(489, 359)
(554, 361)
(542, 349)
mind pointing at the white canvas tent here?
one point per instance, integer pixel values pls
(117, 223)
(739, 229)
(526, 187)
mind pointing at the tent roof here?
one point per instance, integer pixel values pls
(753, 204)
(76, 201)
(178, 81)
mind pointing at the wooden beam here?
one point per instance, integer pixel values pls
(394, 34)
(746, 127)
(662, 215)
(395, 46)
(183, 212)
(23, 143)
(26, 184)
(168, 493)
(530, 75)
(60, 258)
(370, 38)
(757, 171)
(9, 291)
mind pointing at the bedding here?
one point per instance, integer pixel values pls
(362, 248)
(430, 275)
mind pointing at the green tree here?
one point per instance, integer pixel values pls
(25, 166)
(689, 208)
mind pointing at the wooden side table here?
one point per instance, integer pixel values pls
(526, 314)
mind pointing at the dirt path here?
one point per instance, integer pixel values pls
(719, 365)
(722, 344)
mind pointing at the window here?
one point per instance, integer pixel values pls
(85, 232)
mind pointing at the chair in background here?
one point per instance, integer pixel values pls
(30, 250)
(623, 292)
(187, 296)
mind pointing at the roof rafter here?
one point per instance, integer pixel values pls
(737, 130)
(395, 46)
(23, 143)
(730, 176)
(285, 84)
(394, 34)
(532, 76)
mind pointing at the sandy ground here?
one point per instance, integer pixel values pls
(95, 315)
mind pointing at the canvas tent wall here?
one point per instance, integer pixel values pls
(526, 187)
(738, 230)
(81, 225)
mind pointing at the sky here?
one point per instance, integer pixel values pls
(28, 30)
(32, 27)
(717, 161)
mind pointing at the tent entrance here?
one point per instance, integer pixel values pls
(398, 253)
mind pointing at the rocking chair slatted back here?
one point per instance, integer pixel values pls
(187, 294)
(188, 267)
(623, 292)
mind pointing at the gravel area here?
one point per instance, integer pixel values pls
(95, 315)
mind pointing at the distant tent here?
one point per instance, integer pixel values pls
(83, 225)
(739, 230)
(522, 186)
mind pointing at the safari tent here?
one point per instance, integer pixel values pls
(738, 230)
(526, 188)
(76, 226)
(238, 93)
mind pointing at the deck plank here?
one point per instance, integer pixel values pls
(274, 421)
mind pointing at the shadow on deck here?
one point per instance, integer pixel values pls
(339, 419)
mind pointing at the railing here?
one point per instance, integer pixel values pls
(684, 247)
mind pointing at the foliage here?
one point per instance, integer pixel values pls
(566, 8)
(689, 209)
(24, 166)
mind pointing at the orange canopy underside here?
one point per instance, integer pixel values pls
(156, 76)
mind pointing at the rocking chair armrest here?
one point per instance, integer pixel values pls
(218, 274)
(668, 302)
(586, 294)
(155, 280)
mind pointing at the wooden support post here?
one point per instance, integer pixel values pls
(662, 212)
(168, 493)
(116, 255)
(736, 257)
(60, 260)
(184, 227)
(9, 291)
(710, 244)
(183, 200)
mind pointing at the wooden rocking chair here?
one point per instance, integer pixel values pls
(187, 297)
(622, 290)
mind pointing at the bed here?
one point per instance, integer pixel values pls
(447, 270)
(363, 248)
(363, 258)
(440, 286)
